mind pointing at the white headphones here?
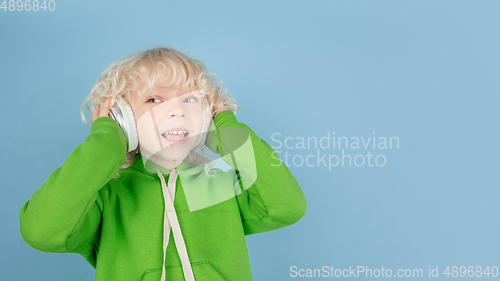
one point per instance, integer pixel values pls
(123, 115)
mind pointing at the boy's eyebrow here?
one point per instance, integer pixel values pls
(192, 92)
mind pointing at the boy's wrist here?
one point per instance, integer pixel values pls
(224, 115)
(103, 122)
(106, 125)
(212, 141)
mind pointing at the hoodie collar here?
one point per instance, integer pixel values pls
(148, 167)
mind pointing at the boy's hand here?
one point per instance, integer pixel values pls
(223, 108)
(220, 109)
(101, 111)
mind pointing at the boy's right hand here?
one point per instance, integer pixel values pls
(101, 111)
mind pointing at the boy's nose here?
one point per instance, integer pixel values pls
(175, 109)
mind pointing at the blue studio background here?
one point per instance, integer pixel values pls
(422, 72)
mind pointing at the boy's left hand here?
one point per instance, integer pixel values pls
(221, 109)
(102, 110)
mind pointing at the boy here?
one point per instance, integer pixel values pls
(116, 205)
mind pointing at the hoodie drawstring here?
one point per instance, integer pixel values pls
(170, 220)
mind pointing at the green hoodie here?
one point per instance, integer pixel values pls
(116, 223)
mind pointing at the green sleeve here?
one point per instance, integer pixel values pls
(270, 196)
(64, 214)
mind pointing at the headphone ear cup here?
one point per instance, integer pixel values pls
(124, 116)
(129, 116)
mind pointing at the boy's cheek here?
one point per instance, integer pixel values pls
(147, 134)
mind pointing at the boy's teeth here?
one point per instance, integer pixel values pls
(175, 132)
(175, 135)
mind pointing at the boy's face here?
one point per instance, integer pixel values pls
(169, 122)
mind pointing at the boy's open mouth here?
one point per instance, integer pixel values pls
(175, 135)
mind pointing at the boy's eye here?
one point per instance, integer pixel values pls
(189, 100)
(153, 100)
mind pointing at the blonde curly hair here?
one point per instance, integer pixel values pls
(136, 76)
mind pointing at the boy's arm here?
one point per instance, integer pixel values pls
(269, 197)
(65, 213)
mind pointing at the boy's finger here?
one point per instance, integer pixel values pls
(107, 102)
(105, 108)
(95, 114)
